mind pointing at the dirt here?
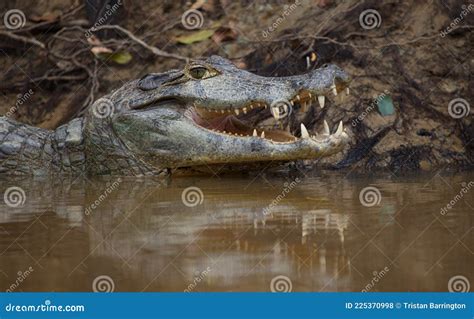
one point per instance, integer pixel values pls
(405, 55)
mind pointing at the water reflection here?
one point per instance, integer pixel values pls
(143, 236)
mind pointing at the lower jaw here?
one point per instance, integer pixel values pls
(230, 125)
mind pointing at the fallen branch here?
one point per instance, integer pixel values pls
(152, 49)
(23, 39)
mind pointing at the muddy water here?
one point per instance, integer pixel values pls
(310, 233)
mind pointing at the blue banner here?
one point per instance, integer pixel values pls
(236, 305)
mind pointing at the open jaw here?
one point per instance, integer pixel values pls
(270, 122)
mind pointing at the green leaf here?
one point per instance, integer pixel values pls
(197, 36)
(122, 57)
(385, 105)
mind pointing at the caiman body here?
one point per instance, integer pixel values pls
(206, 114)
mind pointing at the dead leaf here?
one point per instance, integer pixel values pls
(224, 34)
(322, 3)
(93, 40)
(122, 57)
(100, 50)
(198, 4)
(206, 5)
(47, 17)
(196, 36)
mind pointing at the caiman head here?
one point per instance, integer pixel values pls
(212, 112)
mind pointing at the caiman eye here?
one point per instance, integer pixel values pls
(199, 72)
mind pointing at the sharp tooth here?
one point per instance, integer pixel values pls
(236, 111)
(263, 134)
(309, 94)
(251, 106)
(304, 107)
(254, 132)
(326, 128)
(292, 103)
(340, 128)
(304, 131)
(321, 100)
(298, 97)
(347, 91)
(275, 112)
(334, 90)
(245, 110)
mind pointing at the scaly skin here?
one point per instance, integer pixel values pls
(209, 113)
(29, 150)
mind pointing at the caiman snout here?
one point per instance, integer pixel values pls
(242, 116)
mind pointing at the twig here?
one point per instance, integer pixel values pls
(23, 39)
(154, 50)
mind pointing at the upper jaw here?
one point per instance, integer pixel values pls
(252, 120)
(265, 92)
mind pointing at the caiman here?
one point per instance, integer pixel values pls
(207, 114)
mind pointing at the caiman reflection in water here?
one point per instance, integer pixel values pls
(237, 234)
